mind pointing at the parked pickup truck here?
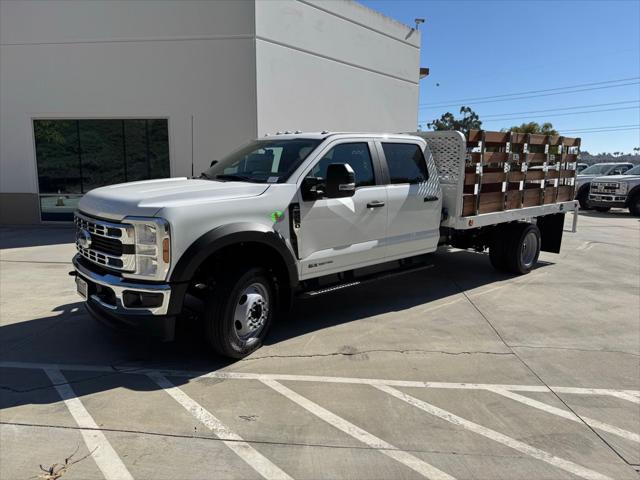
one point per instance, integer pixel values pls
(299, 215)
(586, 176)
(622, 191)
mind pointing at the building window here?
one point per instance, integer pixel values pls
(75, 156)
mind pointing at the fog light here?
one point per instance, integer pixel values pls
(141, 299)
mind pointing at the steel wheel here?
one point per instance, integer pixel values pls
(529, 249)
(251, 311)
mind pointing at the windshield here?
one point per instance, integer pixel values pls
(633, 171)
(263, 161)
(596, 169)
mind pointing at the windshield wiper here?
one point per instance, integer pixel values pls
(233, 176)
(204, 175)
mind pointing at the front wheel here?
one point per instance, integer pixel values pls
(239, 312)
(583, 198)
(634, 205)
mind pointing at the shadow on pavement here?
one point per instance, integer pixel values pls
(35, 236)
(613, 213)
(71, 336)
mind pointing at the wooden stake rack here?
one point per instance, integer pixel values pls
(510, 170)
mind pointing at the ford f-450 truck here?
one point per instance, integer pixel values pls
(621, 191)
(304, 214)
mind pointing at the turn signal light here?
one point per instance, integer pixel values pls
(165, 250)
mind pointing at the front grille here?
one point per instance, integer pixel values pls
(604, 187)
(105, 243)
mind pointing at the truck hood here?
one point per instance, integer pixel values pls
(615, 178)
(146, 198)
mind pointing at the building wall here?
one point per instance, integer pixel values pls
(334, 66)
(237, 68)
(135, 59)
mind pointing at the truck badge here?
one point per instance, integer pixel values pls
(83, 237)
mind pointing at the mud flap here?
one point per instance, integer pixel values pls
(551, 228)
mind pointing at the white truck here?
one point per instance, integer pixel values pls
(619, 191)
(305, 214)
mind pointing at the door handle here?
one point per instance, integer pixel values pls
(431, 199)
(375, 204)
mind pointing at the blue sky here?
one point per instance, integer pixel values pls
(488, 48)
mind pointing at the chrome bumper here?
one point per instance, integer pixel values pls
(608, 197)
(119, 286)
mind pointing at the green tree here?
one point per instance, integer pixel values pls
(533, 127)
(469, 121)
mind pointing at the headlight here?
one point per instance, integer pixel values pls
(153, 247)
(622, 187)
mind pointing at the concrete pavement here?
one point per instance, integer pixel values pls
(454, 372)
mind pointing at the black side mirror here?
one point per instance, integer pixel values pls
(341, 181)
(312, 188)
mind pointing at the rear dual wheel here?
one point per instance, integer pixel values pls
(515, 248)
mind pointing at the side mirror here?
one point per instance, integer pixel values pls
(312, 188)
(213, 162)
(341, 181)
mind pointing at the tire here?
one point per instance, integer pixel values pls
(634, 205)
(583, 198)
(523, 248)
(497, 253)
(602, 209)
(239, 312)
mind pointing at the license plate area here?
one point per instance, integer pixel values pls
(82, 287)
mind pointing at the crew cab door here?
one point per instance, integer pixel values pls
(337, 234)
(414, 198)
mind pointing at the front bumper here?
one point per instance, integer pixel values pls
(607, 200)
(115, 301)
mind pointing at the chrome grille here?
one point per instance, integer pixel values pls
(112, 244)
(604, 187)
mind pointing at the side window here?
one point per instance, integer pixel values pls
(406, 163)
(619, 170)
(357, 155)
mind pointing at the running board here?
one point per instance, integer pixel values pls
(362, 281)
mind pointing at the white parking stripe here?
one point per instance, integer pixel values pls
(521, 447)
(104, 455)
(605, 427)
(246, 452)
(629, 395)
(414, 463)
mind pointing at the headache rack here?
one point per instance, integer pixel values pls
(518, 175)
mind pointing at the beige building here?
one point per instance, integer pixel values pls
(100, 92)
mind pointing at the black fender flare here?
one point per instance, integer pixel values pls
(634, 191)
(585, 186)
(232, 234)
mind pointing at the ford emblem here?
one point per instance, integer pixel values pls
(83, 237)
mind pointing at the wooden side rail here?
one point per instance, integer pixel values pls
(508, 170)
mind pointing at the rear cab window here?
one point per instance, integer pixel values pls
(405, 162)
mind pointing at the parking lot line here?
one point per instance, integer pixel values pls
(246, 452)
(628, 395)
(103, 453)
(605, 427)
(521, 447)
(414, 463)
